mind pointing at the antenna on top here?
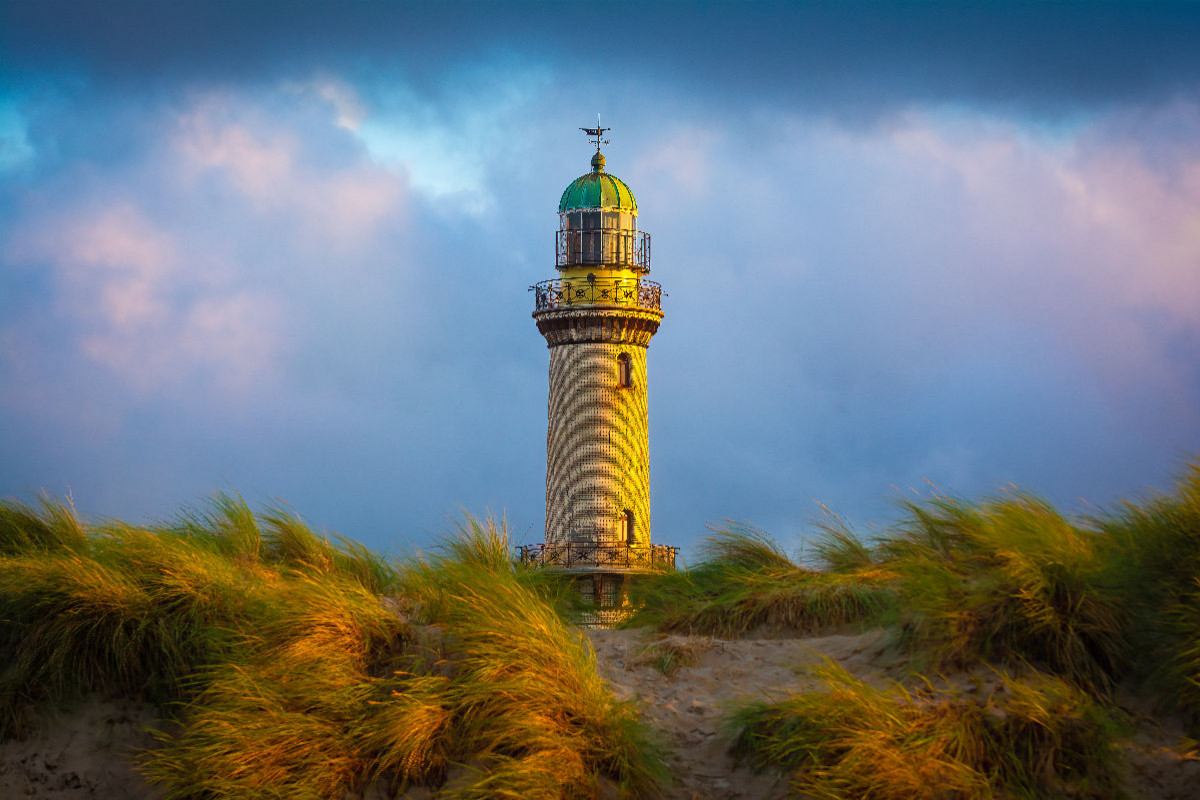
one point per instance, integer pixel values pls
(597, 132)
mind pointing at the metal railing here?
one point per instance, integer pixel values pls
(615, 247)
(577, 555)
(567, 292)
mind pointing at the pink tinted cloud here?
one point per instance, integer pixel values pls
(1122, 232)
(267, 165)
(259, 164)
(181, 265)
(111, 264)
(1085, 237)
(131, 294)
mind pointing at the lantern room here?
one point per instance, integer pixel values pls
(597, 225)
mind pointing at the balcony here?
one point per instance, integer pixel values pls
(592, 556)
(592, 291)
(613, 248)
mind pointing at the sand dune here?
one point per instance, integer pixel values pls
(85, 752)
(687, 705)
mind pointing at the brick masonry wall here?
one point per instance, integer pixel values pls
(597, 444)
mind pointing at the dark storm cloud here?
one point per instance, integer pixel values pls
(852, 57)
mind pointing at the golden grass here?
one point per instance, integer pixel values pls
(289, 662)
(1034, 737)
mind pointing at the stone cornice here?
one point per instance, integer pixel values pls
(611, 324)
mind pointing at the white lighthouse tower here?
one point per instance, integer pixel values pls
(598, 318)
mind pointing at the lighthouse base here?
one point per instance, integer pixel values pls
(604, 600)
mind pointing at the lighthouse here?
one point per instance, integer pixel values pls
(598, 317)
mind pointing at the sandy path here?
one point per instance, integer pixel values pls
(686, 706)
(80, 753)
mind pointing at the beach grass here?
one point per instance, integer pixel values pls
(292, 664)
(1033, 736)
(745, 582)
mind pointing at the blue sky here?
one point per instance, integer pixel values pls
(284, 249)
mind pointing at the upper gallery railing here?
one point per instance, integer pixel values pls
(592, 291)
(593, 555)
(602, 248)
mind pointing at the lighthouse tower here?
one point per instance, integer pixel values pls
(598, 317)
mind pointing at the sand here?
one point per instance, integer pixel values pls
(84, 752)
(686, 706)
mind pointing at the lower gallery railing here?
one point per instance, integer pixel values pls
(573, 292)
(578, 555)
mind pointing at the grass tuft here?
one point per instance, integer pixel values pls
(670, 654)
(1008, 581)
(1036, 737)
(51, 526)
(1155, 563)
(740, 545)
(747, 583)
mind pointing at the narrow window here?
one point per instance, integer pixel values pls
(624, 371)
(627, 527)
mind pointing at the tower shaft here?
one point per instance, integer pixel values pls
(597, 445)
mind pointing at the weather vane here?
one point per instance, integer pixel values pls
(597, 132)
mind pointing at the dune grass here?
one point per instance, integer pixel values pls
(1034, 737)
(745, 582)
(1005, 581)
(293, 665)
(1156, 565)
(1076, 606)
(1008, 581)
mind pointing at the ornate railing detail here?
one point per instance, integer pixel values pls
(613, 247)
(591, 291)
(577, 555)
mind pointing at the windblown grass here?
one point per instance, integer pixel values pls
(1008, 581)
(51, 526)
(746, 582)
(1156, 564)
(533, 716)
(298, 667)
(837, 548)
(1038, 737)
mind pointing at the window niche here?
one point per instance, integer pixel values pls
(625, 371)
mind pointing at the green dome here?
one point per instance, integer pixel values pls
(598, 189)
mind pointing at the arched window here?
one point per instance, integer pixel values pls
(624, 371)
(627, 528)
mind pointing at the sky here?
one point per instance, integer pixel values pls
(284, 250)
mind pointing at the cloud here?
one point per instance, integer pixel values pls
(302, 269)
(246, 152)
(181, 266)
(14, 140)
(958, 297)
(259, 168)
(351, 111)
(125, 287)
(856, 59)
